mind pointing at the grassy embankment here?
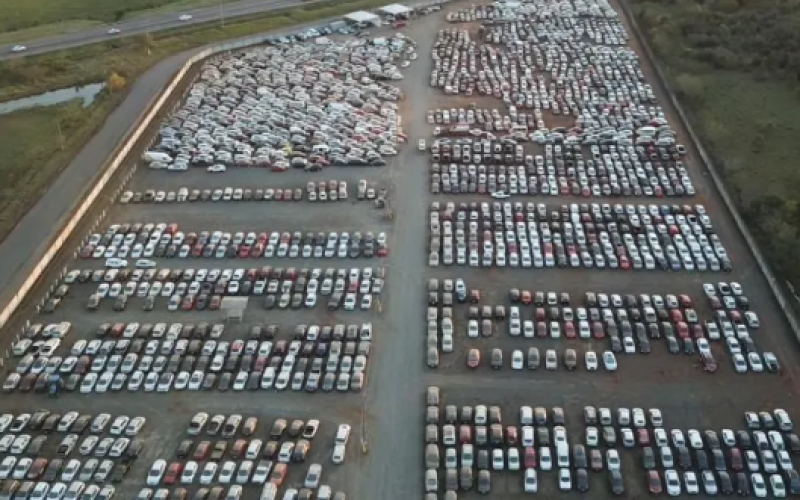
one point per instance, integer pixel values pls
(735, 64)
(33, 152)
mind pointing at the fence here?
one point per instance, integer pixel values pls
(774, 285)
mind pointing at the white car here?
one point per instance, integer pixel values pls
(758, 485)
(185, 17)
(209, 473)
(156, 472)
(19, 48)
(739, 363)
(778, 486)
(672, 482)
(531, 482)
(591, 360)
(517, 360)
(421, 145)
(339, 451)
(313, 476)
(610, 361)
(691, 483)
(113, 31)
(564, 480)
(189, 472)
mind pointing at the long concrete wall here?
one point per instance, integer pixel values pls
(719, 183)
(120, 156)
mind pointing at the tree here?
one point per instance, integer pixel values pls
(116, 82)
(689, 86)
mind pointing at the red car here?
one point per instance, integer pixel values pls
(215, 302)
(244, 251)
(598, 331)
(87, 252)
(683, 330)
(525, 297)
(569, 329)
(173, 471)
(624, 263)
(474, 358)
(188, 303)
(530, 458)
(278, 474)
(654, 482)
(383, 251)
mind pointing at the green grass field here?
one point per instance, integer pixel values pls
(34, 153)
(734, 65)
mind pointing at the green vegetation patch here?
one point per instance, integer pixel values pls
(735, 64)
(37, 144)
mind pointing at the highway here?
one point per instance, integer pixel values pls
(145, 24)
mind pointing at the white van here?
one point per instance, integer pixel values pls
(342, 434)
(115, 263)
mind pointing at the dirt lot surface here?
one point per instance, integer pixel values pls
(385, 458)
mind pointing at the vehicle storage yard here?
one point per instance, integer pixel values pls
(554, 273)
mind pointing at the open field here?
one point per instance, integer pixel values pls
(737, 80)
(36, 150)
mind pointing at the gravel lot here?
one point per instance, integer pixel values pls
(390, 410)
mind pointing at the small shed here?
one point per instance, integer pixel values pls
(234, 308)
(363, 18)
(397, 10)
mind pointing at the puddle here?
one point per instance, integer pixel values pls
(87, 94)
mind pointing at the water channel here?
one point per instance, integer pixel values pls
(86, 93)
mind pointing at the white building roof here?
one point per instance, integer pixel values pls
(362, 16)
(395, 9)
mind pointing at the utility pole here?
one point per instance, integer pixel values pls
(61, 140)
(221, 14)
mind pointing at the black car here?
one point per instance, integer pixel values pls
(581, 480)
(726, 485)
(743, 484)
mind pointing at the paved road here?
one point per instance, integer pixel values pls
(145, 24)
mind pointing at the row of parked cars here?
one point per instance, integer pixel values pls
(242, 245)
(569, 359)
(622, 237)
(242, 112)
(561, 177)
(161, 365)
(190, 289)
(322, 191)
